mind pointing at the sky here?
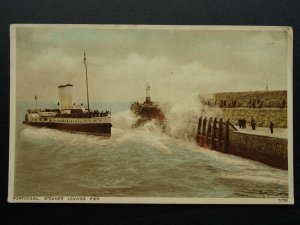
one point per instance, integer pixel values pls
(177, 62)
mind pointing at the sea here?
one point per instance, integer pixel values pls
(141, 162)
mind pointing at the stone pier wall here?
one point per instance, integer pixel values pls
(269, 99)
(262, 106)
(269, 150)
(224, 137)
(262, 116)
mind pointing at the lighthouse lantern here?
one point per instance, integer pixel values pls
(148, 99)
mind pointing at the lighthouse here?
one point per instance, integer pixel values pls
(148, 99)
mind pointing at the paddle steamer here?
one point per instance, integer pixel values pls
(69, 116)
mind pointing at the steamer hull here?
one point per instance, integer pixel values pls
(101, 129)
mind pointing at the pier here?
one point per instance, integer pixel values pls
(222, 136)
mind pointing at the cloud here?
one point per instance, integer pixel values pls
(169, 80)
(50, 59)
(177, 63)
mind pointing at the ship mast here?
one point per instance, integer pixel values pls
(87, 83)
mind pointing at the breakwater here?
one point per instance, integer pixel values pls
(262, 106)
(269, 150)
(222, 136)
(262, 116)
(252, 99)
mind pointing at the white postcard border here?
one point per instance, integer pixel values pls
(147, 200)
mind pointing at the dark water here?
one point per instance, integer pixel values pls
(133, 162)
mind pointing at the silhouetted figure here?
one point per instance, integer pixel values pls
(253, 123)
(271, 127)
(283, 103)
(240, 123)
(257, 103)
(253, 104)
(234, 103)
(244, 123)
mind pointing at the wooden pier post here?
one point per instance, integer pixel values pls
(208, 134)
(214, 134)
(203, 133)
(226, 139)
(220, 136)
(199, 130)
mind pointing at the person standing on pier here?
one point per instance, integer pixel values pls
(244, 122)
(271, 127)
(253, 123)
(240, 123)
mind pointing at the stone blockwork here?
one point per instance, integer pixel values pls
(268, 150)
(262, 116)
(262, 106)
(270, 99)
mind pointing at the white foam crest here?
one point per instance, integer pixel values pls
(46, 136)
(149, 134)
(267, 178)
(124, 119)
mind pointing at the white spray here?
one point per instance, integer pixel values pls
(183, 116)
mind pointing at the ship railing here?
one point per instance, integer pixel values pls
(83, 115)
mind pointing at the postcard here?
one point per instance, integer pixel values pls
(151, 114)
